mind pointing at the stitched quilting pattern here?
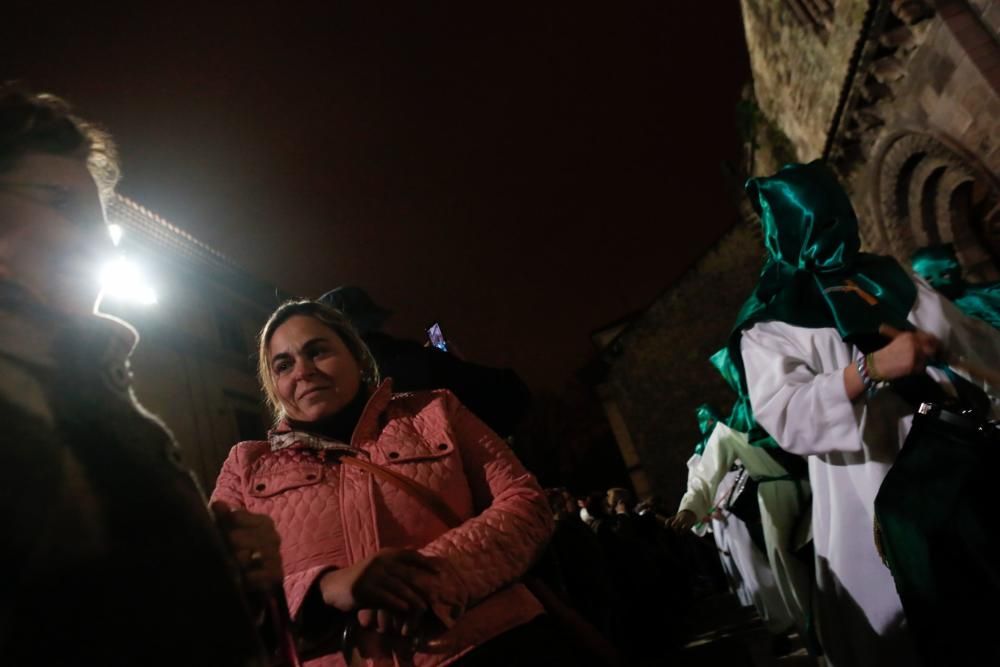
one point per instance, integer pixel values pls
(331, 515)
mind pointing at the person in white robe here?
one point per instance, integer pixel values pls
(750, 573)
(737, 583)
(783, 501)
(711, 484)
(820, 339)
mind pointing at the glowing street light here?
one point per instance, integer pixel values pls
(122, 279)
(116, 232)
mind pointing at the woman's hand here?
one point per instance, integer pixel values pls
(388, 622)
(393, 580)
(255, 543)
(683, 521)
(907, 354)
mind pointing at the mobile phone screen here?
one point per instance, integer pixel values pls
(436, 337)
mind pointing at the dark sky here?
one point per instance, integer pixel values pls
(524, 173)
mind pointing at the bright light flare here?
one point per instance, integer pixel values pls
(122, 279)
(115, 231)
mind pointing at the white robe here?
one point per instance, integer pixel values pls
(755, 574)
(795, 378)
(718, 529)
(782, 506)
(737, 584)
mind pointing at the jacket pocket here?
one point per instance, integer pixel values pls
(264, 484)
(415, 451)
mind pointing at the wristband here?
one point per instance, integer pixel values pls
(870, 384)
(872, 371)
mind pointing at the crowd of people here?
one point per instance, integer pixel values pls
(846, 490)
(627, 574)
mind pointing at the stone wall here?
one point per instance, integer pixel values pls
(919, 142)
(659, 370)
(799, 66)
(903, 96)
(194, 364)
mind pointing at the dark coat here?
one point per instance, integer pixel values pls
(110, 555)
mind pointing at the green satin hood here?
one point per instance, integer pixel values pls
(807, 219)
(708, 417)
(815, 276)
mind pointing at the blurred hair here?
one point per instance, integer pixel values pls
(329, 317)
(596, 504)
(620, 495)
(43, 123)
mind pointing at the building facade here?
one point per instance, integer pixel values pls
(195, 362)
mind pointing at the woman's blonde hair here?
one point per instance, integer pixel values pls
(329, 317)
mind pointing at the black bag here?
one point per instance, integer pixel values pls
(743, 504)
(743, 500)
(938, 529)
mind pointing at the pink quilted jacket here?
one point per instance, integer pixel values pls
(433, 439)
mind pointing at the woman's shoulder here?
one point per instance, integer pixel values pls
(245, 452)
(418, 401)
(775, 333)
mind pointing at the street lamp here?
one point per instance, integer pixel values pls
(122, 279)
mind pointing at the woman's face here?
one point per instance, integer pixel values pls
(315, 374)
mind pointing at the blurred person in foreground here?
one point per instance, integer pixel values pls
(110, 555)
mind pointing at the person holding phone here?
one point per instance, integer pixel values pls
(496, 395)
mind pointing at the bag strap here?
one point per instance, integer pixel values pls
(414, 489)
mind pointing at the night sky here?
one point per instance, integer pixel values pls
(524, 173)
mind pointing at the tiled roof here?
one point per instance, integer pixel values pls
(149, 229)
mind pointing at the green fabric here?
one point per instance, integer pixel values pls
(940, 533)
(741, 418)
(981, 302)
(707, 418)
(815, 275)
(939, 266)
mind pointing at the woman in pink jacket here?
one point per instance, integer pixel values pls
(405, 522)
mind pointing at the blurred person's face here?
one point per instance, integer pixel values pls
(316, 376)
(52, 230)
(569, 502)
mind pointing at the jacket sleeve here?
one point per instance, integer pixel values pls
(705, 474)
(229, 484)
(496, 547)
(229, 489)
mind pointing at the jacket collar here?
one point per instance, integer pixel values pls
(369, 424)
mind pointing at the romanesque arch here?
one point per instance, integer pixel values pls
(927, 193)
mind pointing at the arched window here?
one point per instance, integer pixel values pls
(927, 193)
